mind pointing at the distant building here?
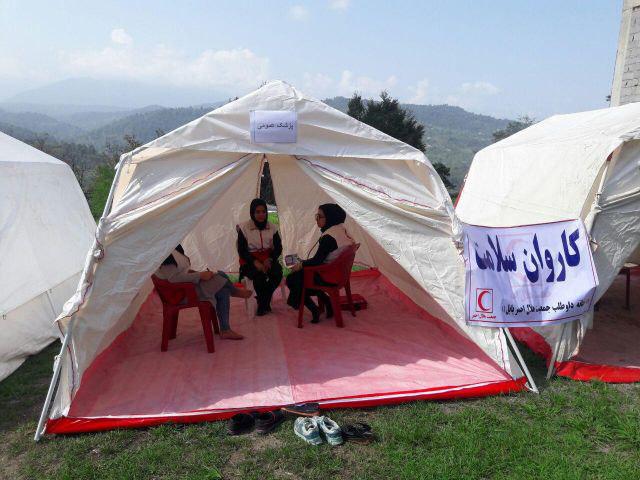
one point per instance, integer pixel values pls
(626, 78)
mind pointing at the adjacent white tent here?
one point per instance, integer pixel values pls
(45, 230)
(194, 185)
(583, 165)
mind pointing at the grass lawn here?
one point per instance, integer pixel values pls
(571, 430)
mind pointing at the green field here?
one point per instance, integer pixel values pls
(571, 430)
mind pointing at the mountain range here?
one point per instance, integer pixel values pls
(452, 134)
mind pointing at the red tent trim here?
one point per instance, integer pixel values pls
(66, 425)
(576, 369)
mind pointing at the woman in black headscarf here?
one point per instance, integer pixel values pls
(259, 248)
(330, 219)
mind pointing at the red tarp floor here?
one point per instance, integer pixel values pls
(611, 350)
(393, 351)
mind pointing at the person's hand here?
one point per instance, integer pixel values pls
(206, 275)
(267, 264)
(259, 266)
(297, 267)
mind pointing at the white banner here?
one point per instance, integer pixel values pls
(528, 276)
(274, 126)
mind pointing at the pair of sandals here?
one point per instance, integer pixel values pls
(359, 432)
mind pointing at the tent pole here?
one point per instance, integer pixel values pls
(556, 351)
(532, 385)
(53, 309)
(57, 366)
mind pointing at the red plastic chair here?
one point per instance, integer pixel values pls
(337, 273)
(176, 297)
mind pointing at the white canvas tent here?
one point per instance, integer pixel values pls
(582, 165)
(193, 185)
(45, 231)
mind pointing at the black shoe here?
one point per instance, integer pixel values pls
(326, 303)
(358, 432)
(268, 421)
(313, 308)
(240, 423)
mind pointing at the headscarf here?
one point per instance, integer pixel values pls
(255, 203)
(334, 215)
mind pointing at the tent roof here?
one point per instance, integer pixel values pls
(586, 129)
(546, 172)
(322, 130)
(13, 150)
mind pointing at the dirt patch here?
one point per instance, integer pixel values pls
(261, 443)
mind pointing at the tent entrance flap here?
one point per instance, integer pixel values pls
(377, 358)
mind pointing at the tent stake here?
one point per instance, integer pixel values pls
(532, 385)
(57, 365)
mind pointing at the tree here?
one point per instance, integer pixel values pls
(389, 117)
(512, 127)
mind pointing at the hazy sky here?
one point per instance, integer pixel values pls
(504, 58)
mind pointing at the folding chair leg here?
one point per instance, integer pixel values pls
(206, 327)
(320, 304)
(214, 319)
(167, 325)
(174, 324)
(337, 311)
(347, 287)
(301, 308)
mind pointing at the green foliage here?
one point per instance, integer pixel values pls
(81, 158)
(388, 116)
(266, 186)
(513, 127)
(452, 135)
(100, 189)
(144, 126)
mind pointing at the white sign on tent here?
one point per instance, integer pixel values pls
(274, 126)
(528, 276)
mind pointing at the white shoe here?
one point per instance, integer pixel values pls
(307, 429)
(330, 429)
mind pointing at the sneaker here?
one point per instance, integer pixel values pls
(330, 430)
(307, 429)
(267, 422)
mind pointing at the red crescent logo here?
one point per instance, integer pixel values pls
(482, 305)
